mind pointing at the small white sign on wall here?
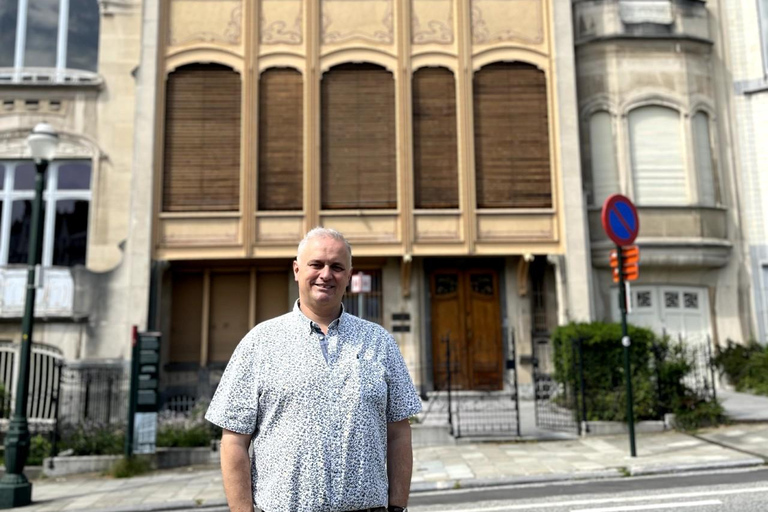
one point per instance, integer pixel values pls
(361, 283)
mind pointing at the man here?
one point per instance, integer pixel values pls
(325, 398)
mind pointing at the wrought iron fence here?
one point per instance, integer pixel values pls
(482, 413)
(565, 402)
(94, 393)
(557, 405)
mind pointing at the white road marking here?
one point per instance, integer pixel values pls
(630, 499)
(656, 506)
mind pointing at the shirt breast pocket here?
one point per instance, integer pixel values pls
(373, 386)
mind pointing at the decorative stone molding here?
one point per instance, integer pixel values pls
(112, 7)
(281, 22)
(432, 22)
(13, 144)
(369, 20)
(495, 21)
(195, 21)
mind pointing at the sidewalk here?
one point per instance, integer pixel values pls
(442, 467)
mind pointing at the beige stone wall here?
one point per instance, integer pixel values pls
(400, 35)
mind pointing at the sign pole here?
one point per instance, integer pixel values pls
(625, 341)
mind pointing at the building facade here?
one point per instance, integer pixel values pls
(69, 64)
(440, 136)
(745, 53)
(655, 127)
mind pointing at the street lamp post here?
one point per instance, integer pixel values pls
(15, 489)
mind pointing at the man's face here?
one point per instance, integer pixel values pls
(323, 271)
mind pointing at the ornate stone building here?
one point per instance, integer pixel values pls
(69, 64)
(439, 135)
(655, 126)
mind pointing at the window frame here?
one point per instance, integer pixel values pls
(62, 40)
(51, 196)
(683, 132)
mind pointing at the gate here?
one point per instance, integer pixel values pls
(474, 413)
(556, 403)
(44, 377)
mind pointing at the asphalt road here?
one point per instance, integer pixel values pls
(726, 491)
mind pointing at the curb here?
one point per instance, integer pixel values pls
(220, 505)
(475, 483)
(687, 468)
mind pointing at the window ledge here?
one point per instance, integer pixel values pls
(50, 77)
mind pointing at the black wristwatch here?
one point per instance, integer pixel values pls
(393, 508)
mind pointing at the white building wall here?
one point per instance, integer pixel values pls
(744, 60)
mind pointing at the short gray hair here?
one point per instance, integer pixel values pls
(321, 232)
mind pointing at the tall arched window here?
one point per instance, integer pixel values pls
(358, 138)
(435, 157)
(705, 171)
(605, 175)
(656, 150)
(512, 163)
(281, 155)
(202, 139)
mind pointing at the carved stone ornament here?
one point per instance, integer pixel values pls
(192, 25)
(14, 145)
(495, 21)
(281, 22)
(369, 20)
(426, 25)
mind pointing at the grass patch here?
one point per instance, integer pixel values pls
(130, 467)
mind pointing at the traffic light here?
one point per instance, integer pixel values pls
(630, 263)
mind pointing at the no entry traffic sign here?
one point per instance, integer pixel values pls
(620, 220)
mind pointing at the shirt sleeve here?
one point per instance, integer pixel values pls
(402, 399)
(235, 404)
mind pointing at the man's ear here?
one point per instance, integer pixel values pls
(295, 270)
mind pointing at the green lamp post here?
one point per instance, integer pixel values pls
(15, 489)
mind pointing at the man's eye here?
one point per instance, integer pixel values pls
(315, 265)
(338, 268)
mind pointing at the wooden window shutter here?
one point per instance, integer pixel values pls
(358, 138)
(435, 157)
(202, 139)
(512, 162)
(281, 156)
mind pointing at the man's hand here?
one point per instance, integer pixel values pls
(399, 462)
(236, 471)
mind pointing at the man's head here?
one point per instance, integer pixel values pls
(323, 268)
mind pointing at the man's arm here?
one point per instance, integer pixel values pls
(236, 470)
(399, 462)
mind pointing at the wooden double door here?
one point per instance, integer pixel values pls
(466, 312)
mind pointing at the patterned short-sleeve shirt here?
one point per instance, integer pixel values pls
(318, 420)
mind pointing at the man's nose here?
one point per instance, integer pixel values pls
(326, 273)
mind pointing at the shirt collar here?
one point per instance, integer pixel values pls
(304, 319)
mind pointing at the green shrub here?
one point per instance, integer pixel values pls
(39, 448)
(93, 439)
(659, 367)
(746, 366)
(176, 429)
(604, 368)
(129, 467)
(693, 413)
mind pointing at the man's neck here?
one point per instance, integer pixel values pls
(322, 318)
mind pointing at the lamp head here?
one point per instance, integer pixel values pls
(42, 142)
